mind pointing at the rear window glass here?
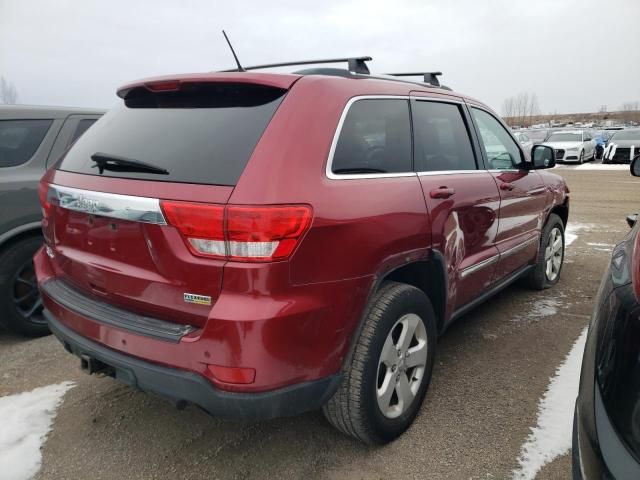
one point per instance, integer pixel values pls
(19, 140)
(375, 138)
(200, 134)
(441, 138)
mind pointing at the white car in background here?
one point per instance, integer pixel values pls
(572, 145)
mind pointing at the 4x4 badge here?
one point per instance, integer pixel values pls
(197, 299)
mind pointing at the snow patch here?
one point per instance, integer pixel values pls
(602, 166)
(551, 437)
(26, 420)
(571, 232)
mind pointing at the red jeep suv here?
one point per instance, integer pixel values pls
(263, 244)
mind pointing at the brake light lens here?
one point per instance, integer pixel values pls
(239, 233)
(43, 192)
(163, 86)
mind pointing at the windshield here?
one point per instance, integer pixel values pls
(565, 137)
(626, 135)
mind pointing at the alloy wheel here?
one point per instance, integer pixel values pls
(26, 297)
(553, 254)
(401, 365)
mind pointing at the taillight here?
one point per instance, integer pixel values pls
(240, 233)
(201, 224)
(43, 192)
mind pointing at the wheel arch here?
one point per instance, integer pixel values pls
(562, 210)
(17, 234)
(428, 275)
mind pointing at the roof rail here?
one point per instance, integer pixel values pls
(429, 77)
(355, 64)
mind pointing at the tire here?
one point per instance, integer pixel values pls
(575, 451)
(17, 281)
(581, 158)
(539, 278)
(355, 408)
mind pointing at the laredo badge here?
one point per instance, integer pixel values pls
(197, 299)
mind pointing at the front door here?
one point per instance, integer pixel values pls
(522, 194)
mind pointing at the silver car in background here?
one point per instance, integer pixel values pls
(572, 145)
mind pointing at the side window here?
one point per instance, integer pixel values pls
(82, 127)
(375, 138)
(441, 138)
(501, 150)
(19, 140)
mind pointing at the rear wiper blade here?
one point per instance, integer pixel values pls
(359, 170)
(105, 161)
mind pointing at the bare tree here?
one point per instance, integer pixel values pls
(8, 92)
(631, 111)
(521, 109)
(508, 108)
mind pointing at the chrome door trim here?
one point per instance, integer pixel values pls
(479, 266)
(517, 248)
(328, 171)
(449, 172)
(111, 205)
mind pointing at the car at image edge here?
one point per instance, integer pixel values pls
(31, 139)
(623, 146)
(606, 426)
(263, 244)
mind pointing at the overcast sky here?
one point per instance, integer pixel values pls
(575, 55)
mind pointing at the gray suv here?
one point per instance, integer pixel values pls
(31, 140)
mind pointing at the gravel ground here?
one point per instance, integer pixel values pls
(492, 368)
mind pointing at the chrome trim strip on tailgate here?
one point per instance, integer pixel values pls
(112, 205)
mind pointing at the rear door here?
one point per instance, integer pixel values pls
(461, 196)
(522, 194)
(112, 236)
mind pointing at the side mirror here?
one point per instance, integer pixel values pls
(635, 166)
(542, 157)
(632, 219)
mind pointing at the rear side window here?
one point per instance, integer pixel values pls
(203, 133)
(375, 138)
(19, 140)
(441, 138)
(82, 127)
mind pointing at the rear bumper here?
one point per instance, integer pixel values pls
(184, 386)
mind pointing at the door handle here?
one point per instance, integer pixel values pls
(442, 192)
(507, 186)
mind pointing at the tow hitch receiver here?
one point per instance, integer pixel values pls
(90, 365)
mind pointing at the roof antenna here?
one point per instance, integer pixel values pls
(240, 69)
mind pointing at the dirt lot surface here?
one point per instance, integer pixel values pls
(492, 368)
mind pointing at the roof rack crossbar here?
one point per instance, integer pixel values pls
(429, 77)
(355, 64)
